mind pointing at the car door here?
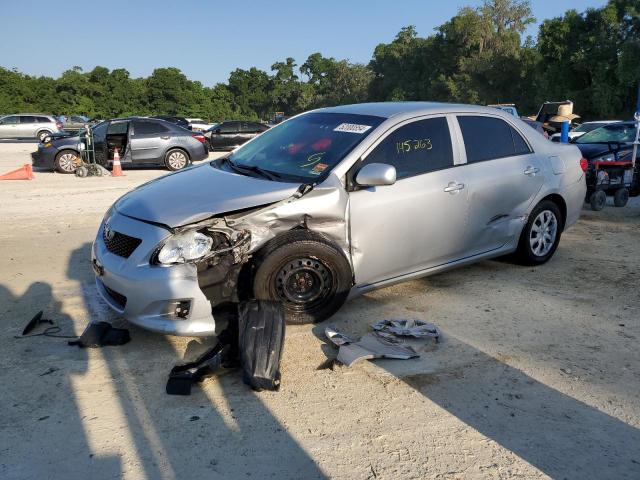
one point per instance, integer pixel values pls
(149, 141)
(248, 130)
(28, 126)
(99, 137)
(9, 127)
(503, 176)
(229, 135)
(420, 221)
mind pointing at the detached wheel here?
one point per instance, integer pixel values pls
(541, 235)
(598, 200)
(176, 160)
(621, 197)
(309, 275)
(67, 161)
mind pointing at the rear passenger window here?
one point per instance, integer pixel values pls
(416, 148)
(487, 138)
(519, 145)
(27, 119)
(148, 128)
(230, 127)
(43, 120)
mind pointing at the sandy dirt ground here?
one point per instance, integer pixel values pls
(537, 376)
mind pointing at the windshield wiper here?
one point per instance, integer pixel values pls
(255, 169)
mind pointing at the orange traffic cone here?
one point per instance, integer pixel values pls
(116, 170)
(23, 173)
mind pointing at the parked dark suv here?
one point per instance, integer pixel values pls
(232, 134)
(139, 140)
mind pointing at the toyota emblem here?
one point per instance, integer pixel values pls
(108, 233)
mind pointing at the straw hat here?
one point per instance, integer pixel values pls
(565, 112)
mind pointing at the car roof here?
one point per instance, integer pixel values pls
(392, 109)
(22, 114)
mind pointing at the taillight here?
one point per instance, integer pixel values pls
(200, 138)
(584, 164)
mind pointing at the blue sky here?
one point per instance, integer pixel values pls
(209, 39)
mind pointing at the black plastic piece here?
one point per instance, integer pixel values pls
(102, 334)
(261, 337)
(223, 354)
(35, 321)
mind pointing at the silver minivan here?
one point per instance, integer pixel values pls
(29, 125)
(334, 203)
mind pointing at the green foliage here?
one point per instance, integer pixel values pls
(478, 56)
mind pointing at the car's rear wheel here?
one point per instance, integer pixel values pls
(67, 161)
(176, 159)
(309, 275)
(42, 134)
(541, 235)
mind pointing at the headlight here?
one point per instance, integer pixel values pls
(184, 247)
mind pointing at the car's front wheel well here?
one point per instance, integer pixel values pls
(560, 203)
(43, 131)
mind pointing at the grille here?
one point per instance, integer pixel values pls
(118, 298)
(120, 244)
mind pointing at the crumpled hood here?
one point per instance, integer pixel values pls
(198, 193)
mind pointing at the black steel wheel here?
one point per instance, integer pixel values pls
(306, 273)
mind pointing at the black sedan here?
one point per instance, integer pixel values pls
(231, 134)
(140, 141)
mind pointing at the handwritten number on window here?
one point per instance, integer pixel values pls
(408, 146)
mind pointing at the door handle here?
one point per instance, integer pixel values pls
(165, 137)
(531, 171)
(453, 187)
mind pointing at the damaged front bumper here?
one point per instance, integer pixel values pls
(165, 299)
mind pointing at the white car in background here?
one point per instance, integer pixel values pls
(199, 125)
(583, 128)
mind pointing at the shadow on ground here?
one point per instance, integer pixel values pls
(556, 433)
(146, 432)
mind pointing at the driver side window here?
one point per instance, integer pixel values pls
(415, 148)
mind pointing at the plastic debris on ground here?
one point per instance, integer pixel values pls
(254, 340)
(372, 345)
(408, 328)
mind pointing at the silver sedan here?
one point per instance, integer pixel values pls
(334, 203)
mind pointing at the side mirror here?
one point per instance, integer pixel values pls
(217, 131)
(376, 174)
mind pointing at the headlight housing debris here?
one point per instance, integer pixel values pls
(184, 247)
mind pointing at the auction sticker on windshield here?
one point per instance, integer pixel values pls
(352, 128)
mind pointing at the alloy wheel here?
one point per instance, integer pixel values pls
(68, 162)
(177, 160)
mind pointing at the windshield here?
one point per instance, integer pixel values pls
(587, 127)
(307, 147)
(621, 133)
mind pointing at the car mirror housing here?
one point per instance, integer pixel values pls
(376, 174)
